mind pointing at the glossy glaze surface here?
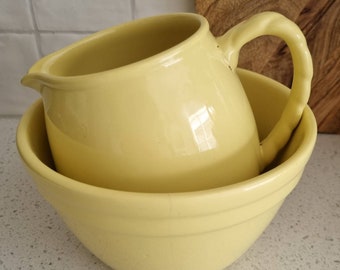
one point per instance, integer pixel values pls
(193, 230)
(155, 105)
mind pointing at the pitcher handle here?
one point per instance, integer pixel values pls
(272, 23)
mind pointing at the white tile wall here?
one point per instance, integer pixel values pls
(80, 15)
(17, 53)
(144, 8)
(15, 15)
(30, 29)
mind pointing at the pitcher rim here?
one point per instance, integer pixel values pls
(58, 81)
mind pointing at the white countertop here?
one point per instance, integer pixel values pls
(305, 234)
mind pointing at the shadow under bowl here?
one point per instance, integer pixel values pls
(198, 230)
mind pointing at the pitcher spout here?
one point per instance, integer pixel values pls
(34, 81)
(39, 74)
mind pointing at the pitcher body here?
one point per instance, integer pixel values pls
(153, 105)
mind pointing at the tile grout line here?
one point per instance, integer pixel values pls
(13, 31)
(4, 31)
(36, 31)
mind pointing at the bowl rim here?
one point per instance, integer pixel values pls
(258, 186)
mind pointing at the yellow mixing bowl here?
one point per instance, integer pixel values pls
(201, 230)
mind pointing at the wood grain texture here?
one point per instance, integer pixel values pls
(318, 20)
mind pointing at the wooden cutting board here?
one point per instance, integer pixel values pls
(319, 21)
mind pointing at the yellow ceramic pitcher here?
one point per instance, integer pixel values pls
(155, 105)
